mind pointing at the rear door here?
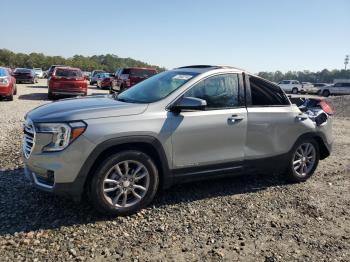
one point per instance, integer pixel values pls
(272, 128)
(345, 90)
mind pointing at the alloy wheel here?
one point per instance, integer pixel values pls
(126, 184)
(304, 159)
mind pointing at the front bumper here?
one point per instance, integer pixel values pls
(57, 172)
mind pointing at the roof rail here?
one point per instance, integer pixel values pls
(198, 66)
(212, 66)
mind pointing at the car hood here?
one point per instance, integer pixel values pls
(84, 108)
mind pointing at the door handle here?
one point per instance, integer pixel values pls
(301, 117)
(234, 119)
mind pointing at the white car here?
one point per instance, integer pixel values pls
(310, 88)
(340, 88)
(291, 86)
(39, 72)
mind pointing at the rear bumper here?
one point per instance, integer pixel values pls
(69, 92)
(22, 80)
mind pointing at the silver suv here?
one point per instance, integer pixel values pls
(189, 123)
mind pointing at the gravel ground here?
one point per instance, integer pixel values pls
(251, 218)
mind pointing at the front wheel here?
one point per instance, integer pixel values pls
(124, 183)
(295, 90)
(303, 161)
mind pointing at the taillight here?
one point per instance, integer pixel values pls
(326, 108)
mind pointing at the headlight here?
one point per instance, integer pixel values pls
(62, 133)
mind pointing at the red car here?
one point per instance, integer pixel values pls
(127, 77)
(8, 86)
(67, 81)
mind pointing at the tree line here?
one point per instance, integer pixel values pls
(108, 62)
(324, 76)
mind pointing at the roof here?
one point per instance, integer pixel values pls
(206, 68)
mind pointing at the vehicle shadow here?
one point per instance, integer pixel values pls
(24, 208)
(37, 86)
(33, 96)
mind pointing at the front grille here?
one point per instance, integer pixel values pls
(28, 140)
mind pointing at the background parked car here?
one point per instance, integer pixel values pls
(67, 81)
(104, 80)
(25, 75)
(308, 87)
(8, 86)
(127, 77)
(290, 86)
(94, 76)
(87, 75)
(39, 72)
(52, 68)
(340, 88)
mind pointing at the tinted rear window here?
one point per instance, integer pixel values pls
(68, 73)
(266, 94)
(23, 70)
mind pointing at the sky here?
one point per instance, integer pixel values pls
(255, 35)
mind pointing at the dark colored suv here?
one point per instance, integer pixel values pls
(25, 75)
(127, 77)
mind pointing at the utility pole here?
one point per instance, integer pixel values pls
(346, 61)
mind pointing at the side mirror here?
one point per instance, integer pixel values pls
(189, 103)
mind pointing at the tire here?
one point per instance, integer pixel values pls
(10, 97)
(295, 174)
(294, 90)
(102, 200)
(326, 93)
(15, 92)
(50, 96)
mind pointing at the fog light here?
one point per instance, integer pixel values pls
(50, 176)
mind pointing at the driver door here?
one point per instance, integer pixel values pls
(217, 134)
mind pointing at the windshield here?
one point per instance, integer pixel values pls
(3, 72)
(157, 87)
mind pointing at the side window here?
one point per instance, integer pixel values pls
(266, 94)
(220, 91)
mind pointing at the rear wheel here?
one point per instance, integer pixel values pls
(124, 183)
(295, 90)
(325, 93)
(10, 97)
(303, 161)
(15, 92)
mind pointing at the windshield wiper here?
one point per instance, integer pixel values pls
(125, 100)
